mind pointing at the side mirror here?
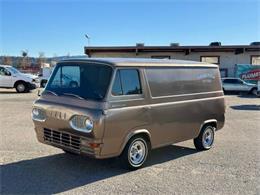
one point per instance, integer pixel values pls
(8, 74)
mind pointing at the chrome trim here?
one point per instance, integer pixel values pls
(62, 139)
(188, 94)
(37, 119)
(208, 121)
(170, 103)
(80, 129)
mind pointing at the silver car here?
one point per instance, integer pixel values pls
(238, 85)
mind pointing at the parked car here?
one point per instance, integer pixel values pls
(238, 85)
(10, 77)
(125, 107)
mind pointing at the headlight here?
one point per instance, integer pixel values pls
(35, 80)
(35, 112)
(82, 123)
(89, 124)
(38, 114)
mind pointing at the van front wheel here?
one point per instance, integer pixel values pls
(135, 153)
(205, 139)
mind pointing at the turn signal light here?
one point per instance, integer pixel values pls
(94, 145)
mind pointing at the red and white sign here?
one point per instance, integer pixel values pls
(251, 75)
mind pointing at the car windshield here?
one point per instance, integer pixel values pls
(80, 80)
(13, 70)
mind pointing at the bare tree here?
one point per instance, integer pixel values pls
(7, 60)
(41, 59)
(25, 61)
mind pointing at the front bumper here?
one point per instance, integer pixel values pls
(31, 85)
(68, 141)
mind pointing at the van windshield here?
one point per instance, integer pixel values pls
(80, 80)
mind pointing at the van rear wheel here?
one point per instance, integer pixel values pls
(135, 153)
(205, 139)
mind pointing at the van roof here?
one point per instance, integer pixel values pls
(125, 62)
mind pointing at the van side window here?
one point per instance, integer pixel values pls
(127, 82)
(117, 87)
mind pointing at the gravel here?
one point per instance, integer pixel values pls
(232, 166)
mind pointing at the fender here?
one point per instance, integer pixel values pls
(206, 122)
(131, 134)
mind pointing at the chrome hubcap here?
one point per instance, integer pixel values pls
(20, 87)
(208, 137)
(137, 152)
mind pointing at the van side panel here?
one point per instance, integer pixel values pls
(182, 81)
(181, 120)
(179, 100)
(182, 98)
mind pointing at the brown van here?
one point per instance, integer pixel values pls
(126, 107)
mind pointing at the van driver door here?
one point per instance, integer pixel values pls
(126, 113)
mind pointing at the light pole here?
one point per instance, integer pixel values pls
(88, 37)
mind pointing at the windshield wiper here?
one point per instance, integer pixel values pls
(74, 95)
(53, 93)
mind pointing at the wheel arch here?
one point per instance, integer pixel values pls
(212, 122)
(253, 88)
(142, 132)
(19, 81)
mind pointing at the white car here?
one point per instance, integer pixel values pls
(12, 78)
(238, 85)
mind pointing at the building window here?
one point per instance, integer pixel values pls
(223, 72)
(255, 60)
(161, 57)
(210, 59)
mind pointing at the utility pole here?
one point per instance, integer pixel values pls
(88, 37)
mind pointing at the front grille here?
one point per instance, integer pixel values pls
(62, 139)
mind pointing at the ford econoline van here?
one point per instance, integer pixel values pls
(105, 108)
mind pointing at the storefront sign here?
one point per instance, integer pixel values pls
(248, 72)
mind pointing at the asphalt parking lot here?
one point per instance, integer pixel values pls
(232, 166)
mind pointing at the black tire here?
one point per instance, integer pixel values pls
(125, 158)
(21, 87)
(201, 142)
(43, 83)
(253, 91)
